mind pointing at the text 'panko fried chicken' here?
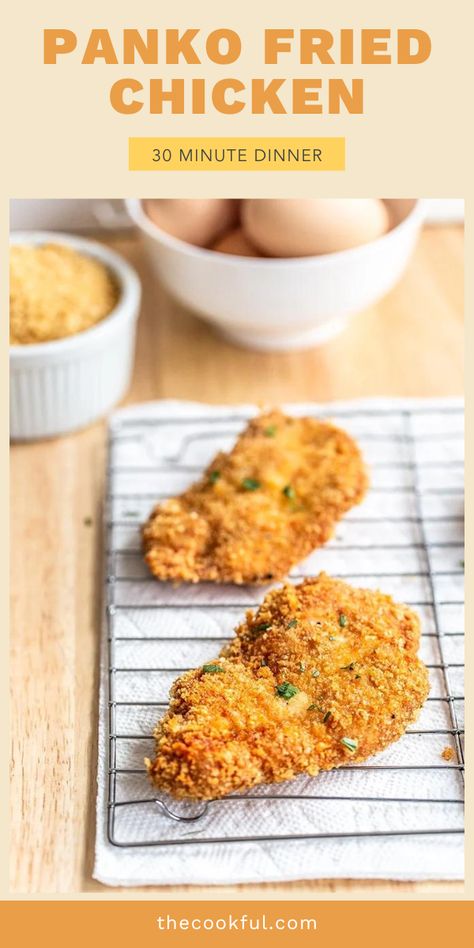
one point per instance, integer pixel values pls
(321, 675)
(261, 508)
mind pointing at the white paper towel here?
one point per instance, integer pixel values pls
(406, 539)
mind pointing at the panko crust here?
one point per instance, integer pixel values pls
(321, 675)
(261, 508)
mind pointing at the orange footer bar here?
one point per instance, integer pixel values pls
(126, 924)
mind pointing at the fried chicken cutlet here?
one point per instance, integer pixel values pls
(321, 675)
(261, 508)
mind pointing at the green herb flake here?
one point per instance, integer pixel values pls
(289, 492)
(271, 431)
(249, 483)
(326, 717)
(212, 669)
(342, 620)
(350, 743)
(261, 627)
(349, 667)
(214, 476)
(314, 707)
(292, 623)
(286, 690)
(315, 673)
(356, 677)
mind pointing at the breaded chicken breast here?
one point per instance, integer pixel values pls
(321, 675)
(261, 508)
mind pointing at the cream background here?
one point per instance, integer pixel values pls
(63, 139)
(61, 121)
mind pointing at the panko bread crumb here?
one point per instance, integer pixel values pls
(323, 674)
(260, 508)
(447, 753)
(56, 292)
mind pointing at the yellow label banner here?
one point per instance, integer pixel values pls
(237, 154)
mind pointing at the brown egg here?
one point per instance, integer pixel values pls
(198, 222)
(300, 227)
(235, 242)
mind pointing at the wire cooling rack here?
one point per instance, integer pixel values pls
(406, 539)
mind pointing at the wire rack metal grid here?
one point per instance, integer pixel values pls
(406, 538)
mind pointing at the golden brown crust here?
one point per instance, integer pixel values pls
(261, 508)
(322, 675)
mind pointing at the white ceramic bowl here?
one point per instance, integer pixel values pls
(59, 386)
(278, 304)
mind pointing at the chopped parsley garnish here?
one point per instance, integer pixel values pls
(326, 717)
(214, 476)
(249, 483)
(356, 677)
(342, 620)
(314, 707)
(262, 627)
(315, 673)
(212, 669)
(286, 690)
(292, 623)
(350, 743)
(349, 667)
(289, 492)
(270, 432)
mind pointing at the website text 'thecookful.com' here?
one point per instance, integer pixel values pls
(231, 922)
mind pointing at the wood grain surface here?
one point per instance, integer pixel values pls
(409, 344)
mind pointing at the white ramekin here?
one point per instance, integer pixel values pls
(59, 386)
(278, 304)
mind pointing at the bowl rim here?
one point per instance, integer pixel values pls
(140, 218)
(125, 308)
